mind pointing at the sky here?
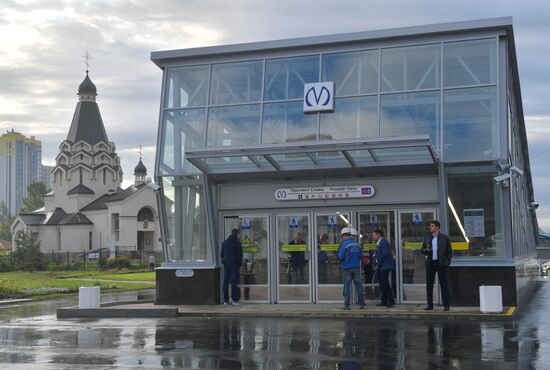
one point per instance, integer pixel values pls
(43, 42)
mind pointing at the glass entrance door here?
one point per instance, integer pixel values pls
(368, 222)
(294, 258)
(413, 227)
(329, 277)
(254, 274)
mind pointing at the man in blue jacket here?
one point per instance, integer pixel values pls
(232, 258)
(349, 255)
(385, 263)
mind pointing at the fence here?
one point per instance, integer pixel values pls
(87, 260)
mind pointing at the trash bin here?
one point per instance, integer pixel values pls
(88, 297)
(490, 298)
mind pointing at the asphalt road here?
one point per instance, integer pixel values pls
(32, 338)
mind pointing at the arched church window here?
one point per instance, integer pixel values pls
(145, 214)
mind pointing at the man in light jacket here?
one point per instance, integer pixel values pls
(349, 255)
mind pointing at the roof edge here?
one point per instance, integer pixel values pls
(158, 57)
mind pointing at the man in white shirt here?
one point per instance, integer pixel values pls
(438, 251)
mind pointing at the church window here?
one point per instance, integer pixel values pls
(145, 214)
(104, 176)
(80, 174)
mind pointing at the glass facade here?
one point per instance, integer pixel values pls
(446, 89)
(475, 218)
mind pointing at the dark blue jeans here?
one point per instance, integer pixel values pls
(232, 273)
(385, 288)
(353, 275)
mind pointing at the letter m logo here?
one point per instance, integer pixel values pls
(319, 97)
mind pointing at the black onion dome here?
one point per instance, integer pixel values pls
(87, 86)
(140, 168)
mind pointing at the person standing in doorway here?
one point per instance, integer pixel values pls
(297, 261)
(151, 259)
(438, 251)
(349, 255)
(232, 258)
(385, 264)
(322, 259)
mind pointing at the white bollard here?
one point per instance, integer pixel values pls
(490, 298)
(88, 297)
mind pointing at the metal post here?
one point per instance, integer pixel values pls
(140, 258)
(68, 265)
(84, 260)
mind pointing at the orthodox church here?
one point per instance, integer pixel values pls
(87, 209)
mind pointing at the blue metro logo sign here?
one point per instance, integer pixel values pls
(319, 97)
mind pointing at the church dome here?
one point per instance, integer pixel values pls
(87, 86)
(140, 169)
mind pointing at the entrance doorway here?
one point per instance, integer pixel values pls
(254, 276)
(413, 227)
(329, 276)
(368, 222)
(293, 257)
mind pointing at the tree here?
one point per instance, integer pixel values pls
(6, 219)
(35, 196)
(26, 254)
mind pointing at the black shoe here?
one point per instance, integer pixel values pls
(380, 304)
(390, 305)
(362, 307)
(429, 308)
(446, 308)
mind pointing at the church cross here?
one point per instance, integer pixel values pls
(87, 58)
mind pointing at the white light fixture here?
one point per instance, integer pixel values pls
(457, 219)
(345, 219)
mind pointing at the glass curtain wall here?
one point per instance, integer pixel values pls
(475, 217)
(447, 90)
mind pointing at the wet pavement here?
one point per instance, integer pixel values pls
(32, 338)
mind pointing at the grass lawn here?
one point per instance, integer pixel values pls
(46, 284)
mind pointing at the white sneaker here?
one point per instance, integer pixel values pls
(225, 303)
(236, 304)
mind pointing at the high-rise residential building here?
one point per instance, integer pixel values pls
(46, 175)
(20, 164)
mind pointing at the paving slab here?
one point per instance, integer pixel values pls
(321, 311)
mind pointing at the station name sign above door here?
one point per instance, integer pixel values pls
(326, 192)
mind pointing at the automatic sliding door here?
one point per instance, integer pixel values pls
(294, 258)
(329, 276)
(368, 222)
(254, 274)
(413, 227)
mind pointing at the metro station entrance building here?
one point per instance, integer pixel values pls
(292, 140)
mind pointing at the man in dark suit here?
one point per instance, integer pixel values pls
(438, 251)
(232, 259)
(384, 263)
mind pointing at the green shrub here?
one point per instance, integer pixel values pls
(119, 263)
(52, 266)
